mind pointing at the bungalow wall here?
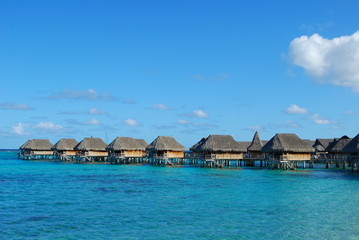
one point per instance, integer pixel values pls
(67, 153)
(38, 152)
(256, 155)
(288, 156)
(175, 154)
(224, 156)
(92, 153)
(167, 154)
(298, 156)
(128, 153)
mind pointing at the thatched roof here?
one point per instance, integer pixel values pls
(38, 144)
(91, 143)
(287, 142)
(352, 146)
(164, 143)
(197, 144)
(321, 144)
(244, 145)
(65, 144)
(22, 146)
(256, 144)
(125, 143)
(218, 143)
(338, 145)
(142, 142)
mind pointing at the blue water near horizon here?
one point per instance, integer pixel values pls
(52, 200)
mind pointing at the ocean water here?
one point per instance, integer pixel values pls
(51, 200)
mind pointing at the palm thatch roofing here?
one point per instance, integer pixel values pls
(256, 144)
(96, 144)
(352, 146)
(165, 143)
(65, 144)
(197, 144)
(338, 145)
(244, 145)
(125, 143)
(22, 146)
(219, 143)
(287, 142)
(321, 144)
(142, 142)
(38, 144)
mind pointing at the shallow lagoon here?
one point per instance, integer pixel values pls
(51, 200)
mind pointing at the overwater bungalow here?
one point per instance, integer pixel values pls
(64, 149)
(91, 149)
(216, 149)
(165, 150)
(335, 148)
(352, 148)
(254, 150)
(284, 149)
(320, 145)
(36, 149)
(126, 150)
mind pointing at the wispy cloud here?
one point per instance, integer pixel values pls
(128, 101)
(183, 122)
(48, 126)
(316, 27)
(164, 127)
(95, 111)
(19, 129)
(317, 119)
(220, 77)
(295, 109)
(89, 94)
(14, 106)
(334, 61)
(91, 111)
(350, 112)
(93, 121)
(161, 106)
(200, 113)
(131, 122)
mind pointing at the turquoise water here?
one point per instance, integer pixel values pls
(50, 200)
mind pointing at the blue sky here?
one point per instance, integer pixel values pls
(177, 68)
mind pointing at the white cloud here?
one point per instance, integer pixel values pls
(256, 128)
(19, 129)
(50, 126)
(320, 120)
(161, 106)
(131, 122)
(328, 60)
(184, 122)
(95, 111)
(89, 94)
(200, 113)
(14, 106)
(93, 122)
(295, 109)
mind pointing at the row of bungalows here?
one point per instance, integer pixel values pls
(120, 150)
(334, 149)
(214, 150)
